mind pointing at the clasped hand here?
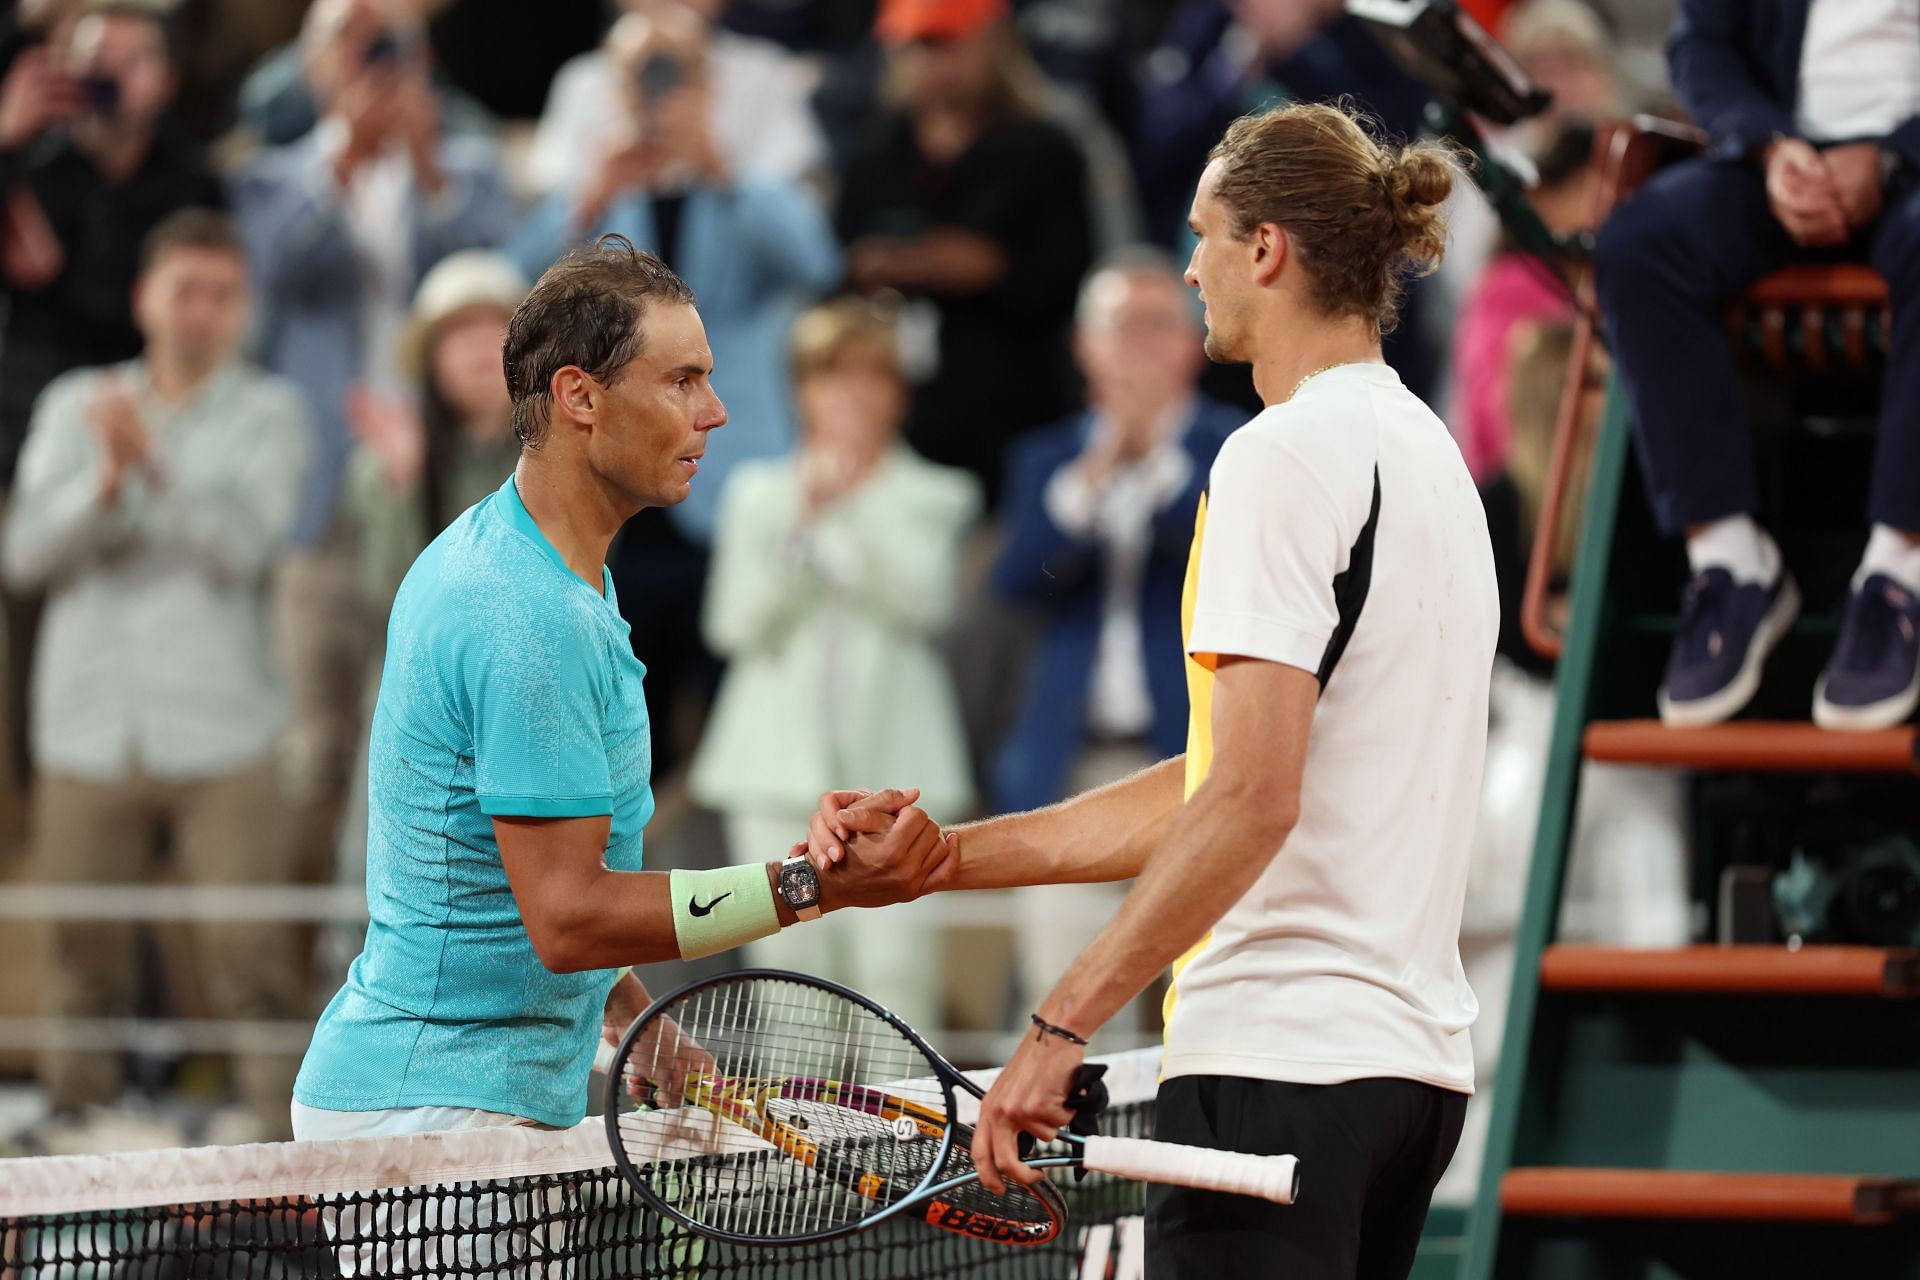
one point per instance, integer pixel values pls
(1822, 197)
(873, 849)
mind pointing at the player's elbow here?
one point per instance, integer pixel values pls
(560, 944)
(1270, 807)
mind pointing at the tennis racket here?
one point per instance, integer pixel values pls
(764, 1107)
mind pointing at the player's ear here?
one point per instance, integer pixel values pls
(576, 396)
(1271, 246)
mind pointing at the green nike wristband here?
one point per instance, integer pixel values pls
(717, 910)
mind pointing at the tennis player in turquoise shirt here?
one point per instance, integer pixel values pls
(509, 767)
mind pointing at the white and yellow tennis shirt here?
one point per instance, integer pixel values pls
(1341, 534)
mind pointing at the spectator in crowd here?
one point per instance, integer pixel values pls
(1100, 514)
(1565, 47)
(1515, 290)
(1813, 113)
(420, 461)
(341, 226)
(90, 161)
(755, 249)
(968, 202)
(834, 569)
(757, 103)
(1512, 491)
(288, 93)
(1221, 59)
(152, 498)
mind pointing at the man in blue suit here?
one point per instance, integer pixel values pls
(1100, 514)
(1813, 109)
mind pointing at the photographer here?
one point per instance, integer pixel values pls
(758, 104)
(89, 163)
(754, 247)
(340, 228)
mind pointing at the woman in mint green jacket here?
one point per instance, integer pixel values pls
(835, 570)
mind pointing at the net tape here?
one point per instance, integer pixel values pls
(519, 1202)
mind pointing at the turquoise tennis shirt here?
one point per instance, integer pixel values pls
(509, 689)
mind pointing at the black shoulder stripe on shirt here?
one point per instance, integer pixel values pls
(1350, 588)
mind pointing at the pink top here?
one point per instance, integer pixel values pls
(1511, 293)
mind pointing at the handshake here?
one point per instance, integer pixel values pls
(876, 848)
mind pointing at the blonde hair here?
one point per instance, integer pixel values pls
(824, 335)
(1536, 382)
(1362, 214)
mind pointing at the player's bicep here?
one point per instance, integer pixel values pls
(553, 866)
(1262, 717)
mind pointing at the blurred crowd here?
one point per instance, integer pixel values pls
(254, 296)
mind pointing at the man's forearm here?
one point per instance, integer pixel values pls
(620, 918)
(1207, 863)
(1101, 835)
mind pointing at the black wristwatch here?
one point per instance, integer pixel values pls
(800, 886)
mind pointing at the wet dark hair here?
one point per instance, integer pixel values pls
(587, 310)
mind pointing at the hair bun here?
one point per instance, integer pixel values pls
(1420, 175)
(1419, 179)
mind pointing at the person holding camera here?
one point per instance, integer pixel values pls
(758, 102)
(89, 163)
(341, 227)
(756, 248)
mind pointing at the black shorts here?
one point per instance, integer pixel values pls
(1370, 1153)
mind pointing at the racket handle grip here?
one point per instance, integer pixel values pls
(1275, 1178)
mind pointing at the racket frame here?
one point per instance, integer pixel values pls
(925, 1194)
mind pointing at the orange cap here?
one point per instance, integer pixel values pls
(904, 21)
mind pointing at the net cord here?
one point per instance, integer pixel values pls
(292, 1170)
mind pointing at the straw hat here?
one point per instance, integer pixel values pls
(469, 278)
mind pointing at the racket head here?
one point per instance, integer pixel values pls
(764, 1107)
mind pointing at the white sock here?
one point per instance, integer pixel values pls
(1893, 553)
(1737, 545)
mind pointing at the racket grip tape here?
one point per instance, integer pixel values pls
(1275, 1178)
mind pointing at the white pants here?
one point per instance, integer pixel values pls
(449, 1229)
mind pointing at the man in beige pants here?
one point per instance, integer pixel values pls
(151, 501)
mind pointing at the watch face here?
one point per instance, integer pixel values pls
(799, 885)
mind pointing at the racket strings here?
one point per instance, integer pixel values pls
(767, 1109)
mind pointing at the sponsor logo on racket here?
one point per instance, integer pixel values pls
(904, 1129)
(987, 1226)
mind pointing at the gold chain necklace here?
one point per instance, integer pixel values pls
(1316, 373)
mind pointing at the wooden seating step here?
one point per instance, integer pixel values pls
(1675, 1195)
(1733, 970)
(1754, 745)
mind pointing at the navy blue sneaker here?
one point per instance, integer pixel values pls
(1727, 629)
(1873, 679)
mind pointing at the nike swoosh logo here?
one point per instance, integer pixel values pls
(693, 904)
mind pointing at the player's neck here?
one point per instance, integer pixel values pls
(580, 525)
(1298, 350)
